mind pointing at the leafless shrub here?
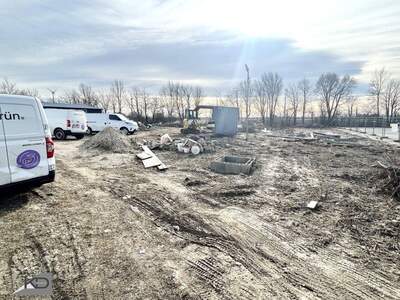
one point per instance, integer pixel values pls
(332, 90)
(117, 93)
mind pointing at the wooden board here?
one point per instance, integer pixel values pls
(150, 159)
(162, 167)
(148, 151)
(151, 162)
(144, 155)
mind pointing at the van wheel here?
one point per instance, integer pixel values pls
(89, 131)
(124, 131)
(59, 134)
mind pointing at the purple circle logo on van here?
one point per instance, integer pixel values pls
(28, 159)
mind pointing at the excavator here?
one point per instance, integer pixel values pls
(191, 123)
(224, 120)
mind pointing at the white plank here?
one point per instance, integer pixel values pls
(144, 155)
(151, 162)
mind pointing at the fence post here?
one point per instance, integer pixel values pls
(365, 125)
(373, 127)
(383, 129)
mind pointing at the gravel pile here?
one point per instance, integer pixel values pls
(109, 140)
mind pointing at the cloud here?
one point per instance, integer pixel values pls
(60, 44)
(216, 65)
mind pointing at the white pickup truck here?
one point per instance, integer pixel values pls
(26, 148)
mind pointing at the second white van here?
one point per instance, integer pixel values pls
(66, 122)
(97, 122)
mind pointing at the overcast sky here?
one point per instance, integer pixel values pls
(59, 44)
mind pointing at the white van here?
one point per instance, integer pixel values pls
(26, 148)
(66, 122)
(97, 122)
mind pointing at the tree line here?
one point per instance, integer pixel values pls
(170, 102)
(267, 97)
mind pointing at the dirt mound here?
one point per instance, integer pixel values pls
(108, 140)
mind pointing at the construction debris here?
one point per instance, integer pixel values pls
(390, 178)
(108, 140)
(165, 139)
(312, 204)
(150, 160)
(194, 144)
(143, 155)
(233, 165)
(190, 146)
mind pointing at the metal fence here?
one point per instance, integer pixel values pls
(380, 127)
(356, 121)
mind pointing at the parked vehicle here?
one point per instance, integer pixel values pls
(77, 106)
(26, 148)
(66, 122)
(97, 122)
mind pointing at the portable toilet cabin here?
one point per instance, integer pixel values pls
(226, 120)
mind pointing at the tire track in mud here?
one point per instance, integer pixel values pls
(281, 268)
(286, 270)
(36, 252)
(104, 181)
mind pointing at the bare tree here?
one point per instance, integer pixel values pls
(155, 106)
(145, 104)
(351, 102)
(178, 97)
(118, 92)
(391, 99)
(29, 92)
(332, 90)
(72, 96)
(167, 99)
(87, 95)
(134, 101)
(8, 87)
(261, 99)
(305, 91)
(234, 99)
(198, 95)
(292, 93)
(219, 98)
(285, 114)
(104, 99)
(187, 93)
(377, 86)
(273, 87)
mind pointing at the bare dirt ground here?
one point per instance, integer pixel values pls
(109, 229)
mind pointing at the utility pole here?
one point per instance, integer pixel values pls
(247, 100)
(53, 92)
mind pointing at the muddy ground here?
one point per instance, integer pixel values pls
(109, 229)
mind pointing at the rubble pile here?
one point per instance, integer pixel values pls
(109, 140)
(193, 144)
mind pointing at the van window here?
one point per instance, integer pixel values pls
(114, 117)
(21, 119)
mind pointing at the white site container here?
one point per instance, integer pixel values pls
(395, 127)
